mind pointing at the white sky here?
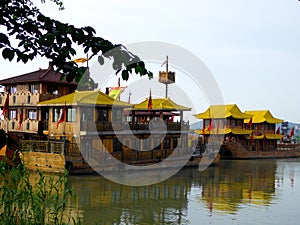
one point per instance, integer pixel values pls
(252, 47)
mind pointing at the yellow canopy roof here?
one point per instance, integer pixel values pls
(223, 111)
(256, 137)
(274, 136)
(160, 104)
(224, 131)
(85, 98)
(240, 131)
(260, 116)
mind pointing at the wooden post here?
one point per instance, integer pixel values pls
(167, 72)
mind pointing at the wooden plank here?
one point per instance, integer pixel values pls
(46, 162)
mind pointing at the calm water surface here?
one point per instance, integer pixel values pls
(234, 192)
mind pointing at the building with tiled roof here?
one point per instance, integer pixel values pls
(24, 92)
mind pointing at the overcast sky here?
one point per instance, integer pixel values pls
(252, 48)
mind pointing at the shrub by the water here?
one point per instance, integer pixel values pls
(35, 198)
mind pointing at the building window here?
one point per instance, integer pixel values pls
(102, 115)
(157, 143)
(32, 114)
(34, 88)
(175, 142)
(147, 144)
(117, 115)
(167, 143)
(136, 144)
(14, 99)
(28, 99)
(12, 114)
(12, 89)
(71, 115)
(56, 114)
(52, 89)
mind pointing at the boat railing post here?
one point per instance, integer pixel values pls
(51, 147)
(63, 147)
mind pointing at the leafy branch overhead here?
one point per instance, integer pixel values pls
(29, 34)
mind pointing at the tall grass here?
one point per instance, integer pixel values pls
(35, 198)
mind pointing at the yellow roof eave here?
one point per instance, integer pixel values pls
(222, 112)
(261, 116)
(85, 98)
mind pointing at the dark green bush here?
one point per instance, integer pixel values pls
(35, 198)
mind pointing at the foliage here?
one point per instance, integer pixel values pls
(29, 34)
(33, 198)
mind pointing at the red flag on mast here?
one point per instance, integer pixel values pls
(252, 138)
(5, 106)
(62, 116)
(278, 130)
(250, 122)
(150, 102)
(292, 132)
(211, 125)
(21, 115)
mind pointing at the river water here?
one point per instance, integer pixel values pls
(234, 192)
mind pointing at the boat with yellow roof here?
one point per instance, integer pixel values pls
(244, 135)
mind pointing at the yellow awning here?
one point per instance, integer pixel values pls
(223, 111)
(85, 98)
(259, 137)
(213, 131)
(240, 131)
(160, 104)
(260, 116)
(274, 136)
(224, 131)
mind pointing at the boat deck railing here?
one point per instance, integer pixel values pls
(109, 126)
(73, 150)
(57, 147)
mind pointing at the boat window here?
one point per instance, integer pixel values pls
(71, 115)
(32, 114)
(34, 88)
(174, 142)
(147, 144)
(167, 143)
(12, 114)
(102, 115)
(117, 115)
(12, 89)
(56, 114)
(52, 89)
(136, 144)
(157, 143)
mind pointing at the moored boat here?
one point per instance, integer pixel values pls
(249, 135)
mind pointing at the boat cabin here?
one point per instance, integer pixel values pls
(22, 93)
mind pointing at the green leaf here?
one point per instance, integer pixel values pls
(125, 75)
(7, 53)
(101, 60)
(4, 39)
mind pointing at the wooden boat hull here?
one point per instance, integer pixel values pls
(238, 151)
(80, 166)
(44, 162)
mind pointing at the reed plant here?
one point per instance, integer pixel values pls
(35, 198)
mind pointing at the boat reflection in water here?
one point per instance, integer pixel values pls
(222, 189)
(236, 183)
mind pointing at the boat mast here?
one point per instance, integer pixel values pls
(167, 71)
(166, 77)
